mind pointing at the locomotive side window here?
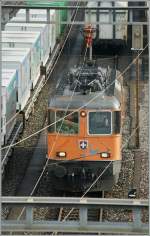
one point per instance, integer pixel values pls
(116, 122)
(99, 122)
(69, 125)
(51, 119)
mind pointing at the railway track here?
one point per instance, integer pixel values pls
(7, 153)
(68, 214)
(125, 183)
(14, 174)
(126, 176)
(141, 167)
(134, 171)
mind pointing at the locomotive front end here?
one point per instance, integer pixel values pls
(83, 142)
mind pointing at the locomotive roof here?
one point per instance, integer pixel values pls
(93, 102)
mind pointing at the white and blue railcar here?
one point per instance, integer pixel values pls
(8, 98)
(48, 34)
(30, 29)
(24, 47)
(22, 64)
(28, 41)
(18, 52)
(40, 15)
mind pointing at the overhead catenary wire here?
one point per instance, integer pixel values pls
(50, 73)
(106, 166)
(62, 120)
(100, 175)
(105, 169)
(18, 112)
(90, 185)
(46, 164)
(92, 99)
(101, 59)
(78, 158)
(78, 3)
(53, 67)
(95, 181)
(65, 112)
(90, 155)
(69, 102)
(66, 115)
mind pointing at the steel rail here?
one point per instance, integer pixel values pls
(9, 148)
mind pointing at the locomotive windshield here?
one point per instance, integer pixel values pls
(99, 122)
(69, 125)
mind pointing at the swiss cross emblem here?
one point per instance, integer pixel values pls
(83, 144)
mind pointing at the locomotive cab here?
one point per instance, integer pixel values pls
(82, 142)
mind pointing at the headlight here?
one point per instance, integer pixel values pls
(105, 154)
(61, 154)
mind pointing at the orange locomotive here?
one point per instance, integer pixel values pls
(86, 132)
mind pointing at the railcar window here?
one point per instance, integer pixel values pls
(70, 125)
(100, 123)
(51, 119)
(116, 122)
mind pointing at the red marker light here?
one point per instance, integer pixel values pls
(83, 114)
